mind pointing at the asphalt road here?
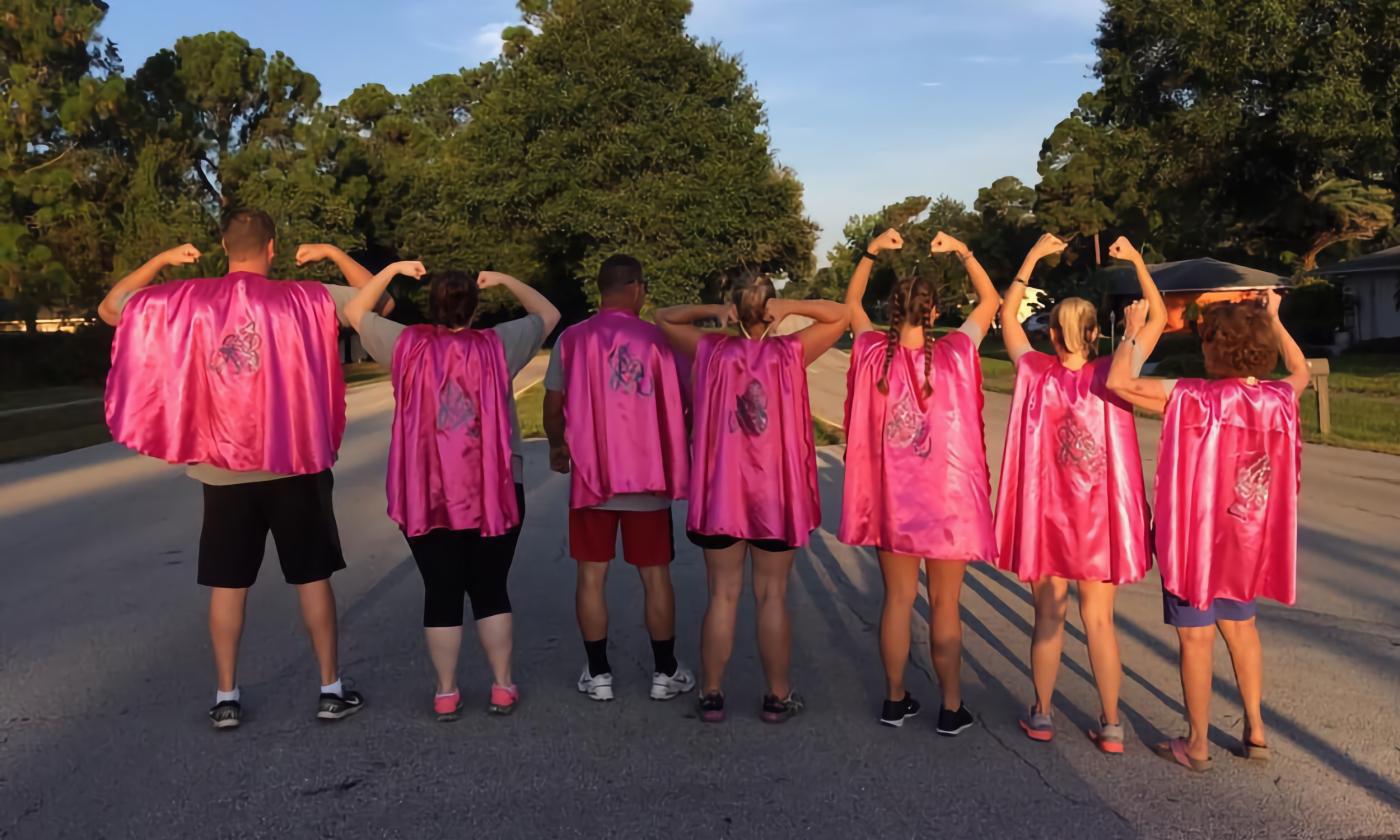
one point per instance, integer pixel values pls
(105, 677)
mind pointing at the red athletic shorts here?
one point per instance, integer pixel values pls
(646, 536)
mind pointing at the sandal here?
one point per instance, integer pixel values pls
(1175, 752)
(1251, 750)
(1108, 737)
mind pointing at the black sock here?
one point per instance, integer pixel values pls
(597, 657)
(664, 652)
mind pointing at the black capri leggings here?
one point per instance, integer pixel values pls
(458, 563)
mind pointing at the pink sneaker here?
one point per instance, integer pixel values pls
(503, 699)
(448, 707)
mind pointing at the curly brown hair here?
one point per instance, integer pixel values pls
(1237, 340)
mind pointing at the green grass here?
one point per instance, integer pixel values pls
(362, 372)
(529, 406)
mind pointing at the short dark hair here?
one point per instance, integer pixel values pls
(1237, 340)
(452, 298)
(246, 232)
(617, 272)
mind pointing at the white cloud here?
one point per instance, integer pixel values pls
(930, 84)
(1081, 58)
(991, 59)
(482, 45)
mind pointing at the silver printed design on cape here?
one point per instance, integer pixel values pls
(1077, 448)
(750, 410)
(906, 427)
(238, 352)
(627, 374)
(457, 410)
(1251, 485)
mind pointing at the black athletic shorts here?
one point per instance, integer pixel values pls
(298, 512)
(719, 542)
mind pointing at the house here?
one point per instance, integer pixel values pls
(1369, 288)
(1201, 282)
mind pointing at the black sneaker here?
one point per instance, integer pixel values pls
(952, 723)
(337, 706)
(778, 711)
(226, 715)
(712, 707)
(895, 712)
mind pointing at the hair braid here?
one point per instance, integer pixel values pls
(928, 357)
(891, 340)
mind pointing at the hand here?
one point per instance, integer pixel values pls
(729, 314)
(559, 459)
(182, 255)
(890, 240)
(1272, 299)
(1134, 318)
(1122, 249)
(1048, 245)
(945, 244)
(408, 268)
(489, 279)
(315, 253)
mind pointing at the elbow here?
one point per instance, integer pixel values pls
(551, 317)
(107, 314)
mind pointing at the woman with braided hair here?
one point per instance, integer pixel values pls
(1070, 503)
(917, 486)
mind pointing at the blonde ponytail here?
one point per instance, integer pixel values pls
(1076, 325)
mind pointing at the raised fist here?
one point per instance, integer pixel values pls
(890, 240)
(1122, 249)
(1048, 245)
(1134, 317)
(180, 255)
(945, 244)
(315, 253)
(409, 268)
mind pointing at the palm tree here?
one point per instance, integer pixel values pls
(1343, 209)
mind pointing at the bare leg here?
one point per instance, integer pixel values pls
(590, 600)
(1196, 651)
(1096, 612)
(1247, 654)
(660, 601)
(770, 582)
(226, 609)
(318, 613)
(495, 632)
(1051, 596)
(725, 569)
(444, 647)
(901, 574)
(945, 627)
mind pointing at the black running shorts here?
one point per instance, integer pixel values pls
(298, 512)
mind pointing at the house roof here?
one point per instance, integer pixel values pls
(1387, 260)
(1199, 275)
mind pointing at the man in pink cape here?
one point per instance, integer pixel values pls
(1226, 516)
(615, 417)
(238, 377)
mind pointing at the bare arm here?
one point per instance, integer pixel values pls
(529, 297)
(110, 309)
(678, 323)
(356, 275)
(1299, 376)
(369, 294)
(829, 322)
(988, 301)
(559, 459)
(1156, 323)
(860, 278)
(1012, 333)
(1123, 378)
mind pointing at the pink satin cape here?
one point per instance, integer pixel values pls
(755, 474)
(916, 467)
(1228, 473)
(239, 372)
(449, 455)
(624, 410)
(1071, 500)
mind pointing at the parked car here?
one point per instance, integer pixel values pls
(1038, 324)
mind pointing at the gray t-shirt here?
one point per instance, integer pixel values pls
(554, 381)
(521, 338)
(340, 295)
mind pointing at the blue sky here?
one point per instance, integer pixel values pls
(868, 101)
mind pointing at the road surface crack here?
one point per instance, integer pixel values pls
(1045, 781)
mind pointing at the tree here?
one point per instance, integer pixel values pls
(1344, 209)
(612, 130)
(61, 84)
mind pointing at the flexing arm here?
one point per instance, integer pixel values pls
(829, 321)
(369, 294)
(678, 323)
(356, 275)
(559, 459)
(1299, 376)
(988, 301)
(1012, 333)
(1156, 322)
(529, 297)
(1123, 376)
(110, 309)
(855, 291)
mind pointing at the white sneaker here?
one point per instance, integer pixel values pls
(597, 688)
(668, 688)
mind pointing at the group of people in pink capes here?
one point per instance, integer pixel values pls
(239, 379)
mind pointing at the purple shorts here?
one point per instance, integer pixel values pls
(1179, 613)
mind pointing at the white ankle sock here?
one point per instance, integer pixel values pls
(225, 696)
(333, 688)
